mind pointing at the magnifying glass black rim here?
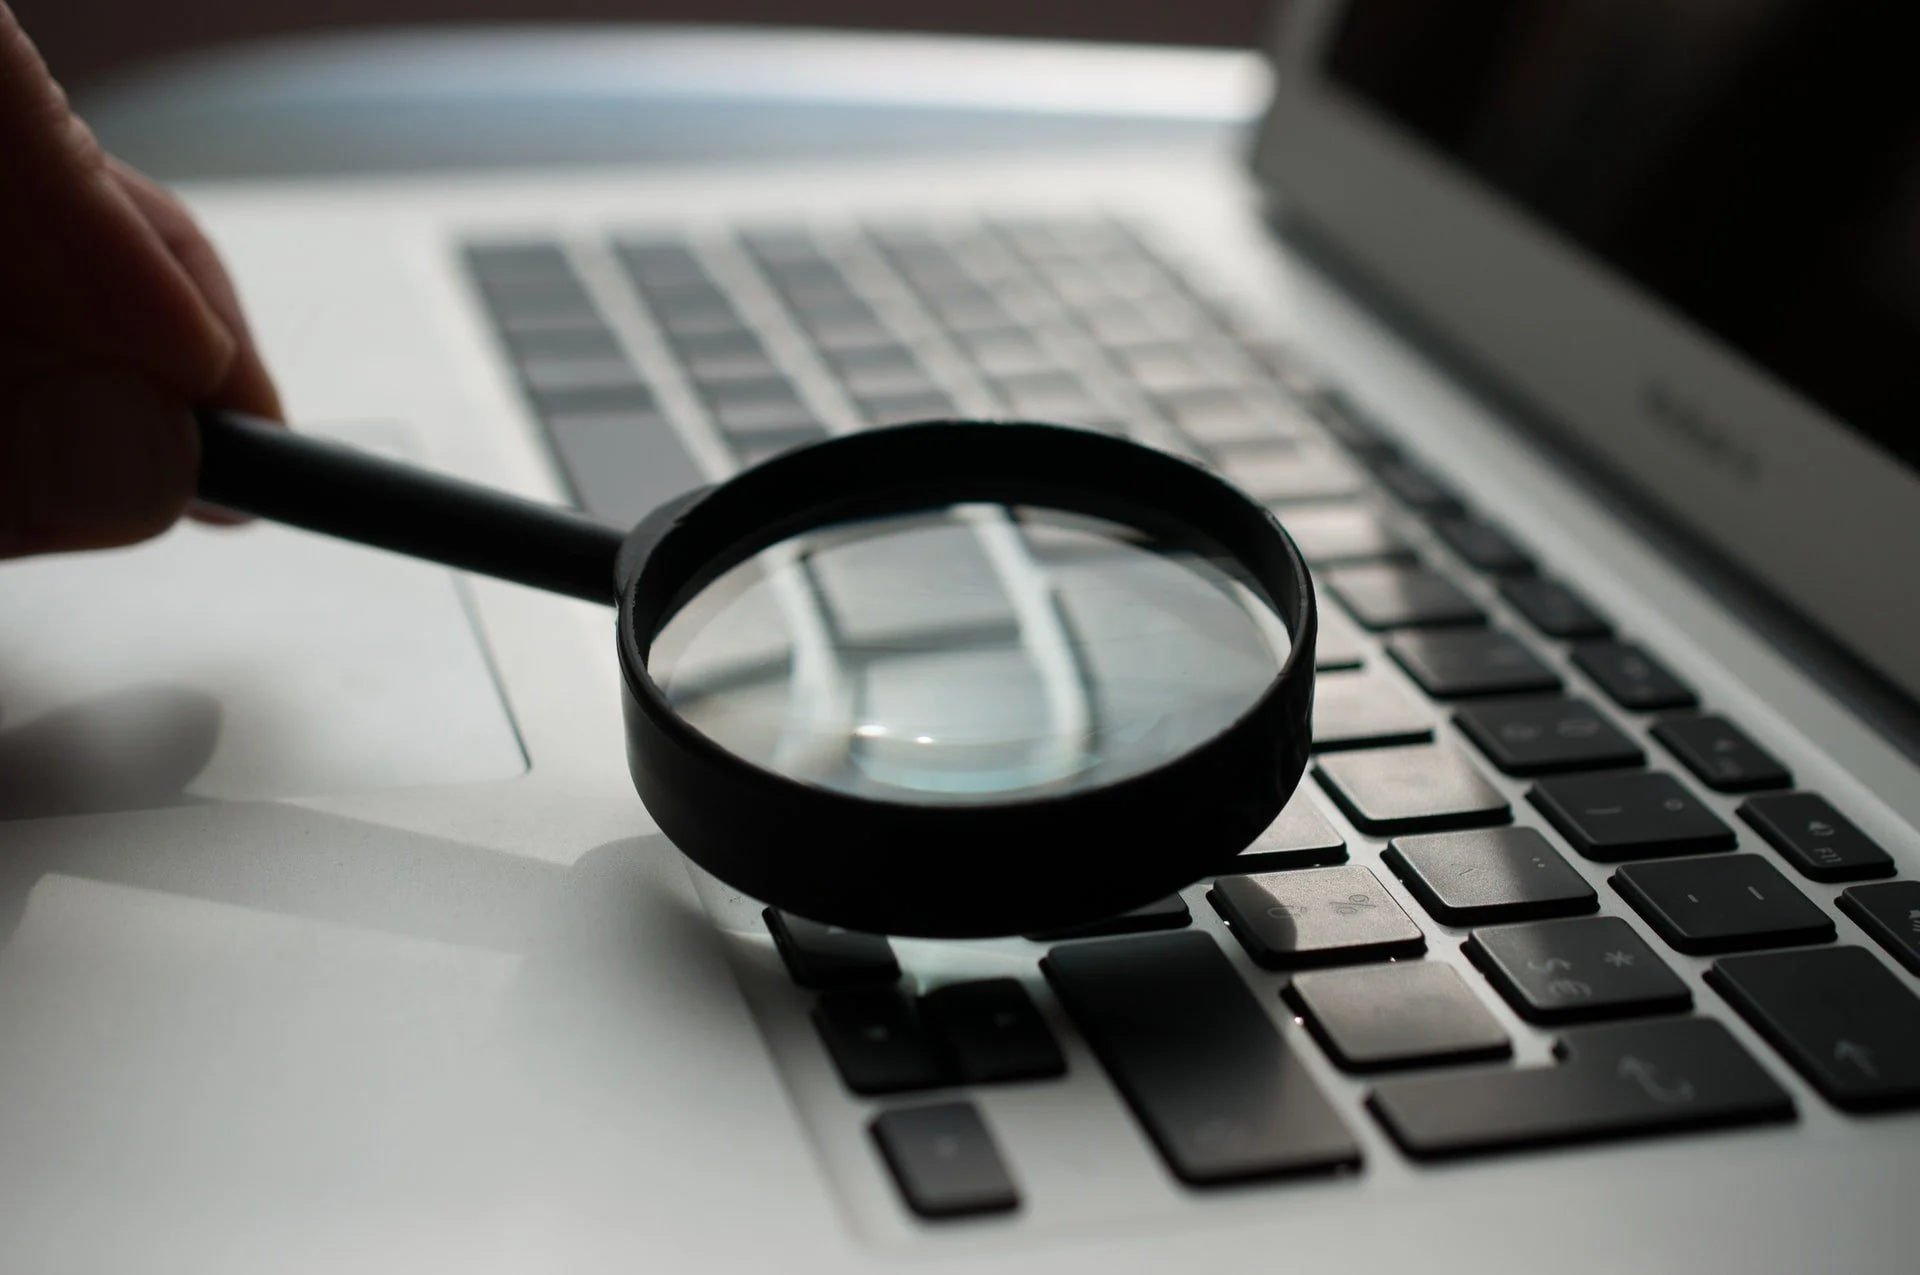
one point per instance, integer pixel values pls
(960, 871)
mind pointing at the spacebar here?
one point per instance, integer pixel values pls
(1202, 1066)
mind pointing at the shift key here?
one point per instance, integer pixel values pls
(1201, 1064)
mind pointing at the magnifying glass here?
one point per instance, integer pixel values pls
(948, 680)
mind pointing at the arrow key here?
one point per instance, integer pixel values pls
(1845, 1021)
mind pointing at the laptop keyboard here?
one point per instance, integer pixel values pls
(656, 363)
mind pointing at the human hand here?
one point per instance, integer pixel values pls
(116, 318)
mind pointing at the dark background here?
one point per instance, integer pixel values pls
(87, 40)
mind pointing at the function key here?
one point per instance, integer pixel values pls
(1419, 788)
(1890, 912)
(1373, 1017)
(1585, 967)
(1545, 736)
(1418, 489)
(1553, 608)
(1399, 597)
(1316, 916)
(877, 1042)
(1720, 755)
(1726, 904)
(1301, 837)
(1622, 1080)
(1630, 677)
(1845, 1021)
(1630, 815)
(1198, 1060)
(1815, 838)
(1365, 710)
(1483, 546)
(991, 1031)
(1471, 663)
(1489, 875)
(945, 1161)
(825, 956)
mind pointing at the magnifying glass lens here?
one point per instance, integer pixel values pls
(971, 654)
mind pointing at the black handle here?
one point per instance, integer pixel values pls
(254, 467)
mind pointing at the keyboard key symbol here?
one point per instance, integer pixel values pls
(1642, 1073)
(1571, 988)
(1617, 959)
(1354, 904)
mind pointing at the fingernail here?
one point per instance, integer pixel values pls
(97, 460)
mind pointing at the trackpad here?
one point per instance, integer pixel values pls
(239, 664)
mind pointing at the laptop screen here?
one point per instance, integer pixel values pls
(1753, 163)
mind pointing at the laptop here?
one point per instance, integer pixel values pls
(1570, 343)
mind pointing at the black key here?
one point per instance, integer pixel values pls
(991, 1031)
(1845, 1021)
(1618, 1081)
(1492, 874)
(1365, 710)
(1198, 1060)
(1476, 662)
(1580, 968)
(1418, 788)
(1392, 597)
(1890, 912)
(1630, 815)
(1720, 755)
(826, 956)
(1373, 1017)
(945, 1161)
(1554, 609)
(1316, 916)
(1630, 677)
(1301, 837)
(1169, 913)
(1726, 904)
(1419, 489)
(877, 1042)
(1546, 736)
(1815, 838)
(1483, 546)
(1334, 535)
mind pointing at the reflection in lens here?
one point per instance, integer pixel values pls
(969, 654)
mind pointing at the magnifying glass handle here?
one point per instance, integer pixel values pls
(251, 466)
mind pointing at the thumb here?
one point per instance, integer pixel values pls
(91, 458)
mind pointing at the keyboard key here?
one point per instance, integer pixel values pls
(1579, 968)
(945, 1161)
(1489, 875)
(1727, 904)
(1418, 489)
(622, 465)
(1169, 913)
(1483, 546)
(877, 1042)
(1818, 840)
(1554, 609)
(1373, 1017)
(1316, 916)
(1301, 837)
(1418, 788)
(1630, 677)
(1631, 815)
(1334, 535)
(1340, 645)
(1198, 1060)
(825, 956)
(1291, 474)
(1845, 1021)
(1395, 597)
(1720, 755)
(991, 1032)
(1471, 663)
(1890, 912)
(1364, 710)
(1546, 736)
(1622, 1080)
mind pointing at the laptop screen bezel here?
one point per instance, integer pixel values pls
(1807, 507)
